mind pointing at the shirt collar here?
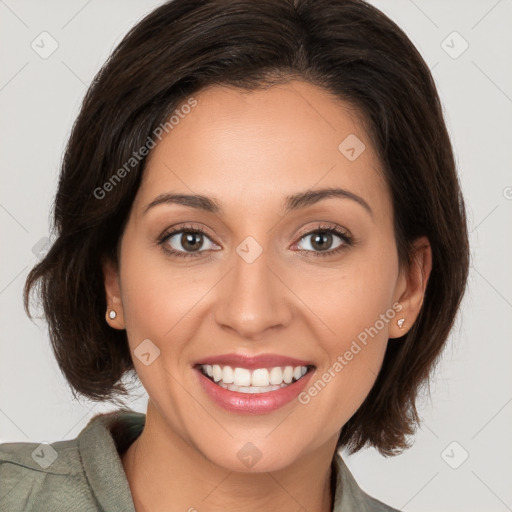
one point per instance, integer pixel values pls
(98, 446)
(349, 497)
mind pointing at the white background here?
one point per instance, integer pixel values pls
(471, 393)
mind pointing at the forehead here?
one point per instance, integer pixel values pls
(253, 148)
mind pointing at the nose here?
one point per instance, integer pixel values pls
(253, 298)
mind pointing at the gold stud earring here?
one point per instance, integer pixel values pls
(400, 323)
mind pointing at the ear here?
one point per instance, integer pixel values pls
(411, 287)
(113, 294)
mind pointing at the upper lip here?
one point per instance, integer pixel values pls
(251, 362)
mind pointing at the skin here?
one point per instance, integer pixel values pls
(250, 150)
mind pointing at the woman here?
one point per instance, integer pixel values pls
(259, 217)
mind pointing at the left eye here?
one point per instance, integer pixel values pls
(322, 241)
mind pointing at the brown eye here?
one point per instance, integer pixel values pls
(324, 240)
(189, 241)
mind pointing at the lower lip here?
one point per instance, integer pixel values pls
(252, 403)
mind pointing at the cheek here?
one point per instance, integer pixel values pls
(158, 303)
(159, 298)
(351, 298)
(355, 306)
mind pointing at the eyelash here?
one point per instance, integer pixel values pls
(347, 240)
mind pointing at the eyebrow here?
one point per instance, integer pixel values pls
(292, 202)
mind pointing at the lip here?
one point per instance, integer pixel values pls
(253, 403)
(251, 362)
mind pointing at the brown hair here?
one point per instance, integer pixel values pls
(347, 47)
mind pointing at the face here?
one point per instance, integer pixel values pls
(254, 280)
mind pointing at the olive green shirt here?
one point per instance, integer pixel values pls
(85, 474)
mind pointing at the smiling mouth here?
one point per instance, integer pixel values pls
(258, 380)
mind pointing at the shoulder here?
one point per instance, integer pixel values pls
(349, 496)
(84, 473)
(39, 471)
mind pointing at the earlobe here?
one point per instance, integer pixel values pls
(416, 279)
(114, 315)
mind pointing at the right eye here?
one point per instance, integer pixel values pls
(185, 241)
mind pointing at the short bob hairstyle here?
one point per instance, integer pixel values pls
(348, 48)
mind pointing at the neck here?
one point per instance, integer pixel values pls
(165, 473)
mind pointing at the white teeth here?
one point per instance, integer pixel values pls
(260, 380)
(227, 375)
(217, 372)
(276, 375)
(260, 377)
(241, 377)
(250, 389)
